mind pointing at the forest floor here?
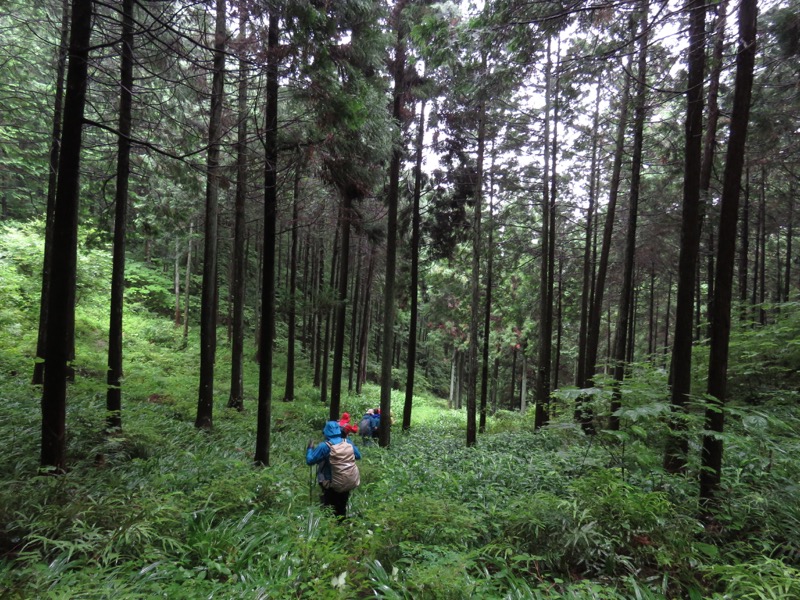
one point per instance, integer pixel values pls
(162, 509)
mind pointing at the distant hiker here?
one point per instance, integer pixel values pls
(366, 426)
(347, 428)
(337, 472)
(376, 421)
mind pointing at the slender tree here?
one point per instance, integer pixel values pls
(208, 316)
(681, 364)
(236, 398)
(114, 376)
(55, 147)
(65, 239)
(711, 457)
(262, 451)
(621, 332)
(288, 394)
(399, 68)
(411, 363)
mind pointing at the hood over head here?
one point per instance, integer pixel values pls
(332, 430)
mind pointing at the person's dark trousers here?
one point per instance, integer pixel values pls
(338, 500)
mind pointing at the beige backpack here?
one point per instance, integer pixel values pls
(344, 471)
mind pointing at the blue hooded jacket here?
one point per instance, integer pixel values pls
(320, 455)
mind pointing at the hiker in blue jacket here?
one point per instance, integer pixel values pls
(320, 456)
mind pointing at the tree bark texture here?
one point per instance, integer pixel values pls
(681, 365)
(208, 316)
(621, 332)
(711, 457)
(52, 180)
(264, 417)
(114, 374)
(65, 240)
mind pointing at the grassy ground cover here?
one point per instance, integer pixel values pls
(165, 510)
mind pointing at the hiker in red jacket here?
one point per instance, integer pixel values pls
(345, 425)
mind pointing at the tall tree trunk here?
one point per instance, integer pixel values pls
(475, 303)
(559, 325)
(264, 417)
(787, 277)
(346, 215)
(176, 283)
(55, 146)
(384, 431)
(487, 309)
(580, 371)
(114, 374)
(208, 316)
(744, 250)
(357, 296)
(363, 338)
(318, 315)
(711, 457)
(65, 240)
(288, 394)
(681, 365)
(545, 325)
(187, 283)
(411, 363)
(651, 332)
(236, 398)
(762, 218)
(595, 314)
(621, 332)
(329, 317)
(709, 144)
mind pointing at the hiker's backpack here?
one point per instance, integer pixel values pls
(344, 471)
(365, 427)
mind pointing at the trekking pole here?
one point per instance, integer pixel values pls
(310, 484)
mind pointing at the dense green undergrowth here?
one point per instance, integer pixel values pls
(164, 510)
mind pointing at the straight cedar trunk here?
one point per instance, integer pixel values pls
(329, 316)
(357, 296)
(621, 333)
(711, 457)
(176, 284)
(545, 326)
(288, 394)
(787, 277)
(187, 283)
(346, 216)
(744, 249)
(709, 145)
(475, 307)
(451, 399)
(55, 146)
(399, 66)
(236, 398)
(306, 254)
(411, 363)
(114, 374)
(677, 447)
(559, 324)
(586, 289)
(363, 338)
(320, 286)
(264, 418)
(595, 313)
(487, 310)
(651, 320)
(208, 312)
(65, 240)
(762, 218)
